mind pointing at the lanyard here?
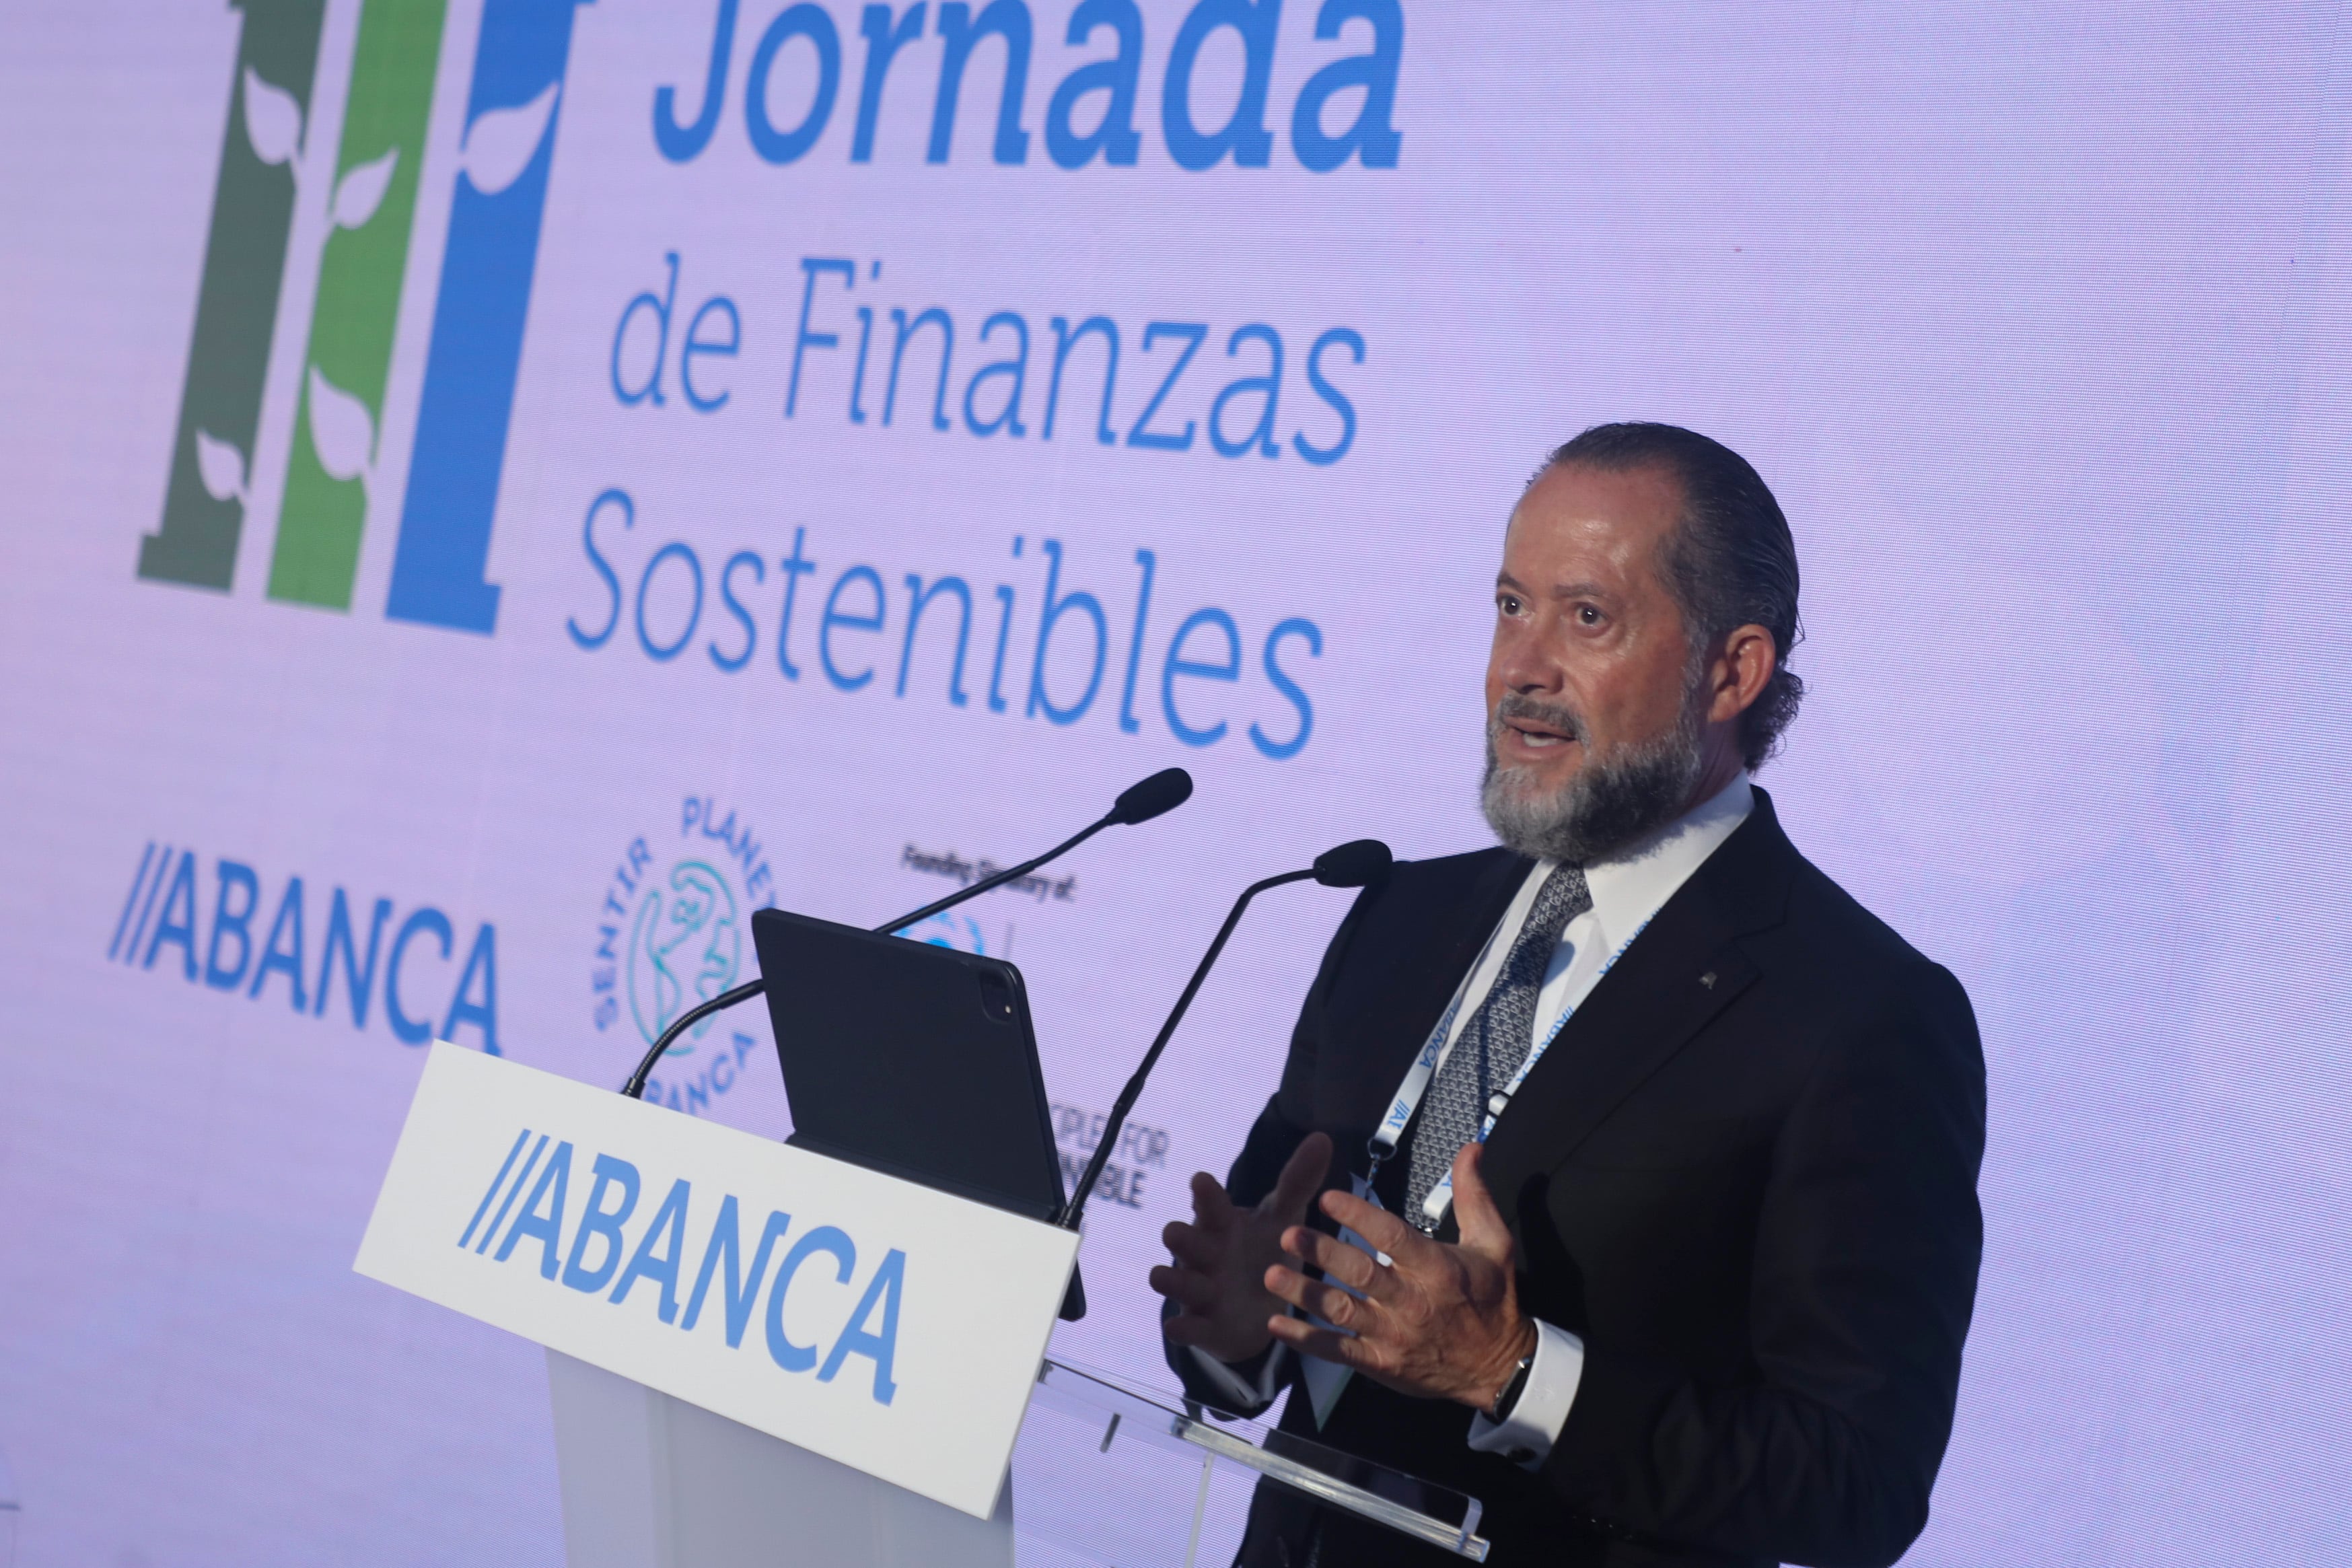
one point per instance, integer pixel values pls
(1326, 1380)
(1417, 1078)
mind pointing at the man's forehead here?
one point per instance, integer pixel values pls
(1604, 515)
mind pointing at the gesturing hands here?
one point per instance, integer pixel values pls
(1227, 1255)
(1438, 1322)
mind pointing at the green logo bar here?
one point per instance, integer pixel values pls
(237, 303)
(357, 307)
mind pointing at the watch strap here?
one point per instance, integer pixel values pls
(1500, 1411)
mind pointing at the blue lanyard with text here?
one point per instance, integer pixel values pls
(1384, 1138)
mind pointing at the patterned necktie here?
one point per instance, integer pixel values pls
(1491, 1046)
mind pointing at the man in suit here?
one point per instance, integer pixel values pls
(1622, 1176)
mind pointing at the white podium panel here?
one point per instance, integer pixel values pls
(889, 1327)
(653, 1482)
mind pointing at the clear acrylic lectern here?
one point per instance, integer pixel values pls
(1136, 1478)
(1146, 1471)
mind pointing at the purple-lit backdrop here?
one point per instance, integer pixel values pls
(495, 497)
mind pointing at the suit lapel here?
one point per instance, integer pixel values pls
(1684, 969)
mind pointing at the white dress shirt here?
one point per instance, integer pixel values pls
(1628, 888)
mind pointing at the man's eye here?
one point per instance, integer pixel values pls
(1508, 603)
(1587, 616)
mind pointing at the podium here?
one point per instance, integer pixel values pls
(759, 1355)
(649, 1480)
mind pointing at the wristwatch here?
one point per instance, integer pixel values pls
(1500, 1411)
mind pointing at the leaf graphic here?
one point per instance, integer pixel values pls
(273, 120)
(361, 192)
(222, 467)
(500, 141)
(343, 432)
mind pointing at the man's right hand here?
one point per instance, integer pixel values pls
(1218, 1279)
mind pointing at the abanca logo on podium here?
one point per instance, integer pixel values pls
(659, 1257)
(328, 486)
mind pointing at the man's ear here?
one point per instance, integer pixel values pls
(1741, 670)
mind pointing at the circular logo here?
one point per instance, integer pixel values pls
(685, 946)
(672, 932)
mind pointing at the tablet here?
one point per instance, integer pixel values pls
(912, 1060)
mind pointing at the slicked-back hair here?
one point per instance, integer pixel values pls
(1730, 563)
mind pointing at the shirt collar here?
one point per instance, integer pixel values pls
(1634, 883)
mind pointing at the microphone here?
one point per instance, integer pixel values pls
(1162, 793)
(1361, 863)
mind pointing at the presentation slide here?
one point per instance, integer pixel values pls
(500, 490)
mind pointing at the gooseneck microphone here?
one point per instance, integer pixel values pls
(1162, 793)
(1363, 863)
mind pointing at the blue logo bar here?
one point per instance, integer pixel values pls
(439, 570)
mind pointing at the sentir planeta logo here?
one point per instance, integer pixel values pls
(674, 930)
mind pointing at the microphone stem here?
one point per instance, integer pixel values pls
(998, 880)
(1075, 1210)
(635, 1088)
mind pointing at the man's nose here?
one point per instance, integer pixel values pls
(1525, 663)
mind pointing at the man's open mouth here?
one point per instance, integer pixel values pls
(1536, 734)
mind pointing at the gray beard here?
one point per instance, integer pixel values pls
(1613, 801)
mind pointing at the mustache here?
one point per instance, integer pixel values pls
(1551, 715)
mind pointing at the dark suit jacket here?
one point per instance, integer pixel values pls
(1745, 1174)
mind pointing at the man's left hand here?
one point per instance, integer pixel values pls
(1438, 1322)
